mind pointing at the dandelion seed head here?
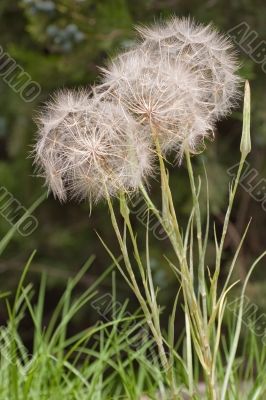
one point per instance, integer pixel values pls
(208, 53)
(174, 84)
(90, 149)
(159, 92)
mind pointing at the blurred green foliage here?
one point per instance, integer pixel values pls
(60, 44)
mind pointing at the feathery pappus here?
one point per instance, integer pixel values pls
(173, 85)
(90, 151)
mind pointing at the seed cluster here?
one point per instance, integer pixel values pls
(176, 82)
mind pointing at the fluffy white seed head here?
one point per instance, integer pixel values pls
(174, 84)
(162, 93)
(208, 53)
(87, 148)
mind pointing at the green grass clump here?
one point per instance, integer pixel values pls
(131, 356)
(103, 361)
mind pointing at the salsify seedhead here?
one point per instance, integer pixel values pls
(168, 90)
(87, 148)
(201, 48)
(161, 93)
(179, 79)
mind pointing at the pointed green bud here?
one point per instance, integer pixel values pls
(245, 145)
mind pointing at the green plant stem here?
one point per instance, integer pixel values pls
(220, 247)
(201, 272)
(198, 322)
(148, 315)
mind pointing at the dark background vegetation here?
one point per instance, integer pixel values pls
(60, 44)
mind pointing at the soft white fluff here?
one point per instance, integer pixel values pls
(177, 81)
(161, 93)
(201, 48)
(90, 149)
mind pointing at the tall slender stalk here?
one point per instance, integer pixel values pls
(197, 319)
(201, 272)
(203, 323)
